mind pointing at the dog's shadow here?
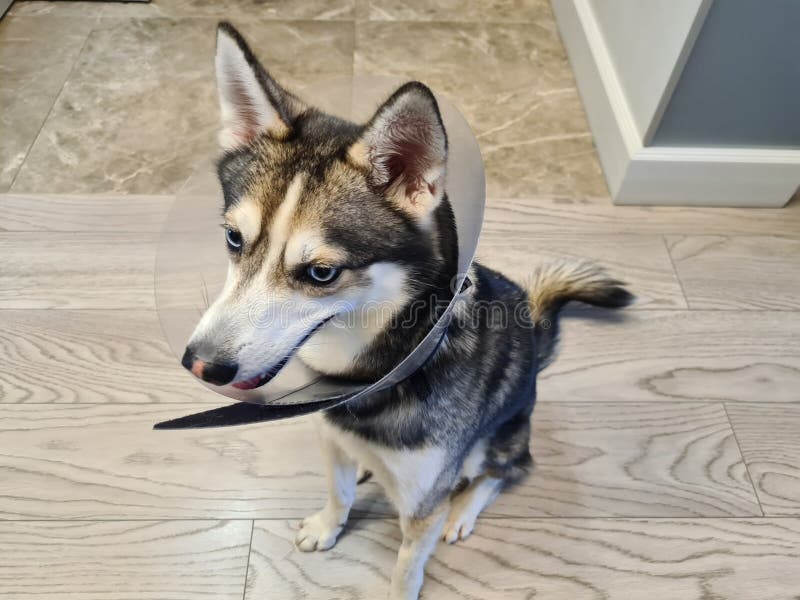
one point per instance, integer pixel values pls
(371, 503)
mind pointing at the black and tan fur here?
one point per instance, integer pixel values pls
(303, 188)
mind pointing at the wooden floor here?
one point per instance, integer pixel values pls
(667, 441)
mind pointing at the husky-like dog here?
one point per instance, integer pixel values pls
(321, 214)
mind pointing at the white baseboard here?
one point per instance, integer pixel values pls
(638, 174)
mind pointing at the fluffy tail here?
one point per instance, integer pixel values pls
(553, 285)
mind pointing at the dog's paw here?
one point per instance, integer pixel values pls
(460, 524)
(317, 532)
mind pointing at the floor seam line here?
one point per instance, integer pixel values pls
(52, 106)
(675, 271)
(249, 552)
(744, 460)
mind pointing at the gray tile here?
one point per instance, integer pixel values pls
(515, 87)
(738, 272)
(139, 112)
(226, 9)
(458, 10)
(258, 9)
(36, 56)
(72, 8)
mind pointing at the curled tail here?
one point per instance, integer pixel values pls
(553, 285)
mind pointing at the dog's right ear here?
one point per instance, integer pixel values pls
(403, 150)
(251, 101)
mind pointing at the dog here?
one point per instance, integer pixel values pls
(324, 217)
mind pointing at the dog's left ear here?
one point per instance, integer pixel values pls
(404, 150)
(251, 101)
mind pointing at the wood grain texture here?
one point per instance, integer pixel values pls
(89, 356)
(769, 436)
(675, 355)
(598, 215)
(96, 213)
(575, 559)
(120, 356)
(77, 270)
(105, 462)
(133, 560)
(641, 261)
(738, 272)
(647, 460)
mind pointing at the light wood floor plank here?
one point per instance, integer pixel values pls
(105, 462)
(575, 559)
(77, 270)
(91, 356)
(641, 261)
(673, 355)
(598, 215)
(91, 213)
(769, 436)
(676, 355)
(133, 560)
(632, 460)
(737, 272)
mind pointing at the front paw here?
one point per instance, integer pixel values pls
(318, 532)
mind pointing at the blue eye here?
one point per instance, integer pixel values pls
(234, 240)
(322, 275)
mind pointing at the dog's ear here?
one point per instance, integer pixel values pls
(404, 150)
(251, 102)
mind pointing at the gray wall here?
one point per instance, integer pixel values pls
(741, 84)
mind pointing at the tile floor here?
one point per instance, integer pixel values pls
(667, 442)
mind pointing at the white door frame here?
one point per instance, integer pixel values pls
(655, 175)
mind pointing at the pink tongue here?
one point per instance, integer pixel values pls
(248, 384)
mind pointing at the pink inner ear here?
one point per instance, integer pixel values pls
(247, 124)
(407, 153)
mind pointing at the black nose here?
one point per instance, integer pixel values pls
(188, 359)
(218, 373)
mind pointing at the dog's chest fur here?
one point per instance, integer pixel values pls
(406, 475)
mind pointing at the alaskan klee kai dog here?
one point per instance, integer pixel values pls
(323, 212)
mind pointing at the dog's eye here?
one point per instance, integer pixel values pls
(234, 239)
(322, 275)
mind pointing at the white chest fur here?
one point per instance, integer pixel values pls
(405, 475)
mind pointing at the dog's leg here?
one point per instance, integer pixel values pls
(467, 505)
(320, 530)
(419, 540)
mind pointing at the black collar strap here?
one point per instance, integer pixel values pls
(242, 413)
